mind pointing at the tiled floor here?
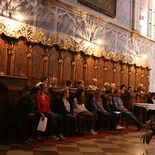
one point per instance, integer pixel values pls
(123, 144)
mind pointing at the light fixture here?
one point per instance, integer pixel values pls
(19, 17)
(85, 64)
(95, 67)
(144, 56)
(105, 68)
(99, 41)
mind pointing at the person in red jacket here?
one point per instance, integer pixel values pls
(44, 106)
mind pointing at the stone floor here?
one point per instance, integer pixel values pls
(123, 144)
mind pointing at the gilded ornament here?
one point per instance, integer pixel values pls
(109, 55)
(25, 31)
(118, 56)
(66, 44)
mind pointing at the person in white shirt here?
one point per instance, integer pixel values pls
(80, 109)
(43, 80)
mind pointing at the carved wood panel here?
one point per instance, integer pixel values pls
(124, 75)
(138, 77)
(37, 63)
(66, 67)
(132, 77)
(53, 62)
(110, 72)
(3, 57)
(90, 70)
(20, 59)
(100, 73)
(118, 76)
(79, 68)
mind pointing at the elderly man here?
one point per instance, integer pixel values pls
(106, 86)
(93, 86)
(118, 104)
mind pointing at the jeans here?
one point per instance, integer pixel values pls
(51, 118)
(132, 117)
(111, 117)
(75, 119)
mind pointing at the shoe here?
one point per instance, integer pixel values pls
(141, 126)
(120, 127)
(78, 134)
(52, 138)
(95, 132)
(61, 138)
(92, 132)
(30, 141)
(39, 139)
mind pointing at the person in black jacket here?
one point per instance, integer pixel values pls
(151, 101)
(63, 108)
(27, 110)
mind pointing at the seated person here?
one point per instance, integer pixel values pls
(27, 110)
(44, 106)
(53, 82)
(106, 86)
(44, 80)
(130, 89)
(113, 87)
(80, 83)
(118, 104)
(108, 106)
(63, 108)
(143, 90)
(80, 109)
(151, 101)
(69, 84)
(93, 86)
(139, 88)
(123, 88)
(97, 107)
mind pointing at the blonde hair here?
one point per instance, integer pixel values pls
(52, 80)
(113, 84)
(106, 84)
(94, 80)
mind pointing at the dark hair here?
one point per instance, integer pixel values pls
(68, 83)
(35, 89)
(115, 91)
(43, 78)
(78, 95)
(108, 92)
(42, 86)
(130, 87)
(123, 85)
(80, 82)
(152, 94)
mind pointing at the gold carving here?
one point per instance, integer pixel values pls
(118, 56)
(127, 59)
(109, 55)
(25, 31)
(66, 44)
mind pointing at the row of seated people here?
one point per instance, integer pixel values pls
(36, 104)
(107, 86)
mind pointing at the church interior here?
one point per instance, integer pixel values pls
(111, 41)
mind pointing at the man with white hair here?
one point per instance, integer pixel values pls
(93, 86)
(106, 86)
